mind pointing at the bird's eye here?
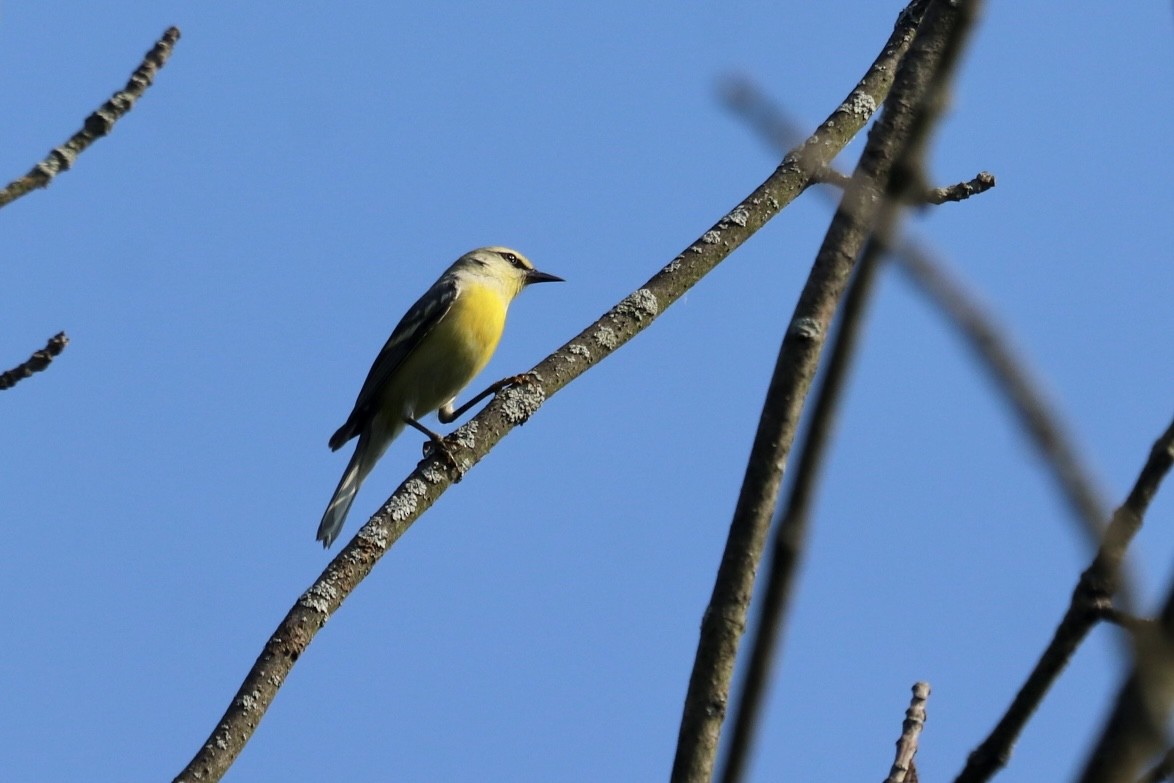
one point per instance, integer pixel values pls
(513, 259)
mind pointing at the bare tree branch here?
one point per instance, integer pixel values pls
(903, 769)
(471, 442)
(990, 344)
(791, 530)
(901, 125)
(97, 124)
(1135, 731)
(981, 183)
(1095, 590)
(35, 363)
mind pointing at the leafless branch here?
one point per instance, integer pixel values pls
(791, 530)
(97, 124)
(1127, 622)
(910, 734)
(35, 363)
(1135, 730)
(1095, 590)
(865, 205)
(983, 182)
(989, 342)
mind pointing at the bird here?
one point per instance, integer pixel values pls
(443, 341)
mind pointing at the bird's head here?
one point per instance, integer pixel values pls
(505, 267)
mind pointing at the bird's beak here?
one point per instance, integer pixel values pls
(534, 276)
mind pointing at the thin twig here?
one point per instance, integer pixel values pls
(725, 618)
(1095, 590)
(983, 182)
(471, 442)
(37, 362)
(97, 124)
(910, 734)
(1127, 621)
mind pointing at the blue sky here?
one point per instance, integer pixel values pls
(230, 260)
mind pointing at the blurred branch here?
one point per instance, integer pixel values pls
(37, 362)
(1135, 730)
(97, 124)
(472, 441)
(1126, 621)
(791, 531)
(1035, 414)
(1161, 771)
(1095, 590)
(988, 342)
(867, 202)
(903, 769)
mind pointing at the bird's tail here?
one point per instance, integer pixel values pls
(371, 446)
(344, 495)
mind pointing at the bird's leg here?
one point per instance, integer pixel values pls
(437, 443)
(447, 415)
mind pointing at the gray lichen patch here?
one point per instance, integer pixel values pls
(606, 337)
(860, 105)
(740, 216)
(519, 402)
(639, 305)
(319, 597)
(466, 434)
(577, 350)
(806, 328)
(403, 504)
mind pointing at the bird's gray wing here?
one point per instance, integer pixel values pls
(417, 322)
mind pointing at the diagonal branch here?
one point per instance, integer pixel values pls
(1097, 585)
(471, 442)
(790, 532)
(1135, 731)
(37, 362)
(97, 124)
(872, 198)
(990, 344)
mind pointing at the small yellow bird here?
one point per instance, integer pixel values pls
(438, 347)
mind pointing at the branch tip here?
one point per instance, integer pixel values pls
(35, 363)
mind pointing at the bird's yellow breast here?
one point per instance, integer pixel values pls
(476, 321)
(451, 354)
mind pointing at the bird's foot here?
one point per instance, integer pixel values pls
(437, 446)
